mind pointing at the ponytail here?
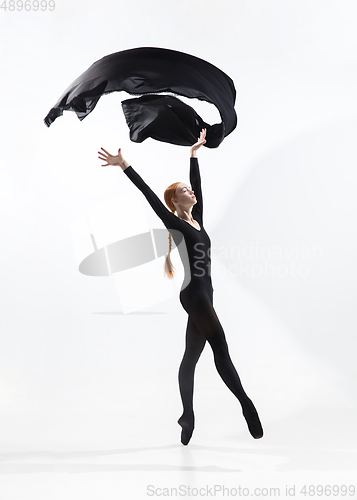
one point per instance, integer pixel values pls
(169, 269)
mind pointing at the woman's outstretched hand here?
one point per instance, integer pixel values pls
(117, 160)
(199, 143)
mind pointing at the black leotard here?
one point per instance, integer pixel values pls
(197, 242)
(196, 297)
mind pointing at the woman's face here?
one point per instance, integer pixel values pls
(184, 196)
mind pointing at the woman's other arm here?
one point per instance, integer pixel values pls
(156, 204)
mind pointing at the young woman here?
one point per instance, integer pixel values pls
(196, 296)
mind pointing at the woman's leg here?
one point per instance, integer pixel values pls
(195, 343)
(205, 318)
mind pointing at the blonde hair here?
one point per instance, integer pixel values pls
(169, 193)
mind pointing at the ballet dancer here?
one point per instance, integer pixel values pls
(197, 296)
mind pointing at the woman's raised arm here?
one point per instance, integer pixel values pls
(195, 177)
(156, 204)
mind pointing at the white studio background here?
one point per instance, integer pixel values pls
(88, 395)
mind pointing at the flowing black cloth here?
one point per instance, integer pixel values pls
(145, 71)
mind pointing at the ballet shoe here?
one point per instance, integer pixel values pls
(252, 418)
(187, 429)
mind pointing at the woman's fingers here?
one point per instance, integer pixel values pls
(202, 136)
(200, 140)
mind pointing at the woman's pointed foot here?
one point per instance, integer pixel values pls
(187, 424)
(252, 418)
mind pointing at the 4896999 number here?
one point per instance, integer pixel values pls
(28, 5)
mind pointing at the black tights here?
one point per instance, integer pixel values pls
(203, 325)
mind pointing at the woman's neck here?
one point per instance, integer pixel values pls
(184, 214)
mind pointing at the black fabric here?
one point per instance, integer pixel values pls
(196, 297)
(145, 71)
(167, 119)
